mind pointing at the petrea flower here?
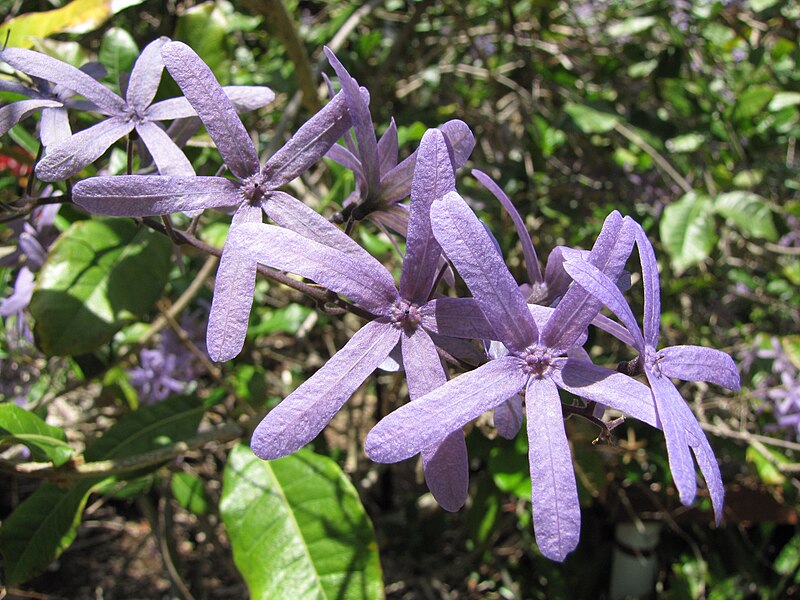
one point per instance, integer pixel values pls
(534, 363)
(254, 189)
(134, 112)
(380, 181)
(401, 316)
(52, 99)
(689, 363)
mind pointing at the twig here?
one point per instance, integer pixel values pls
(105, 468)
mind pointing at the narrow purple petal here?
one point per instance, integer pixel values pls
(21, 296)
(348, 160)
(213, 107)
(528, 251)
(607, 387)
(709, 467)
(394, 217)
(421, 424)
(508, 417)
(446, 470)
(388, 149)
(13, 113)
(652, 287)
(149, 195)
(554, 492)
(456, 317)
(17, 88)
(672, 420)
(234, 288)
(169, 159)
(555, 277)
(618, 331)
(367, 283)
(146, 75)
(467, 244)
(67, 158)
(434, 177)
(697, 363)
(248, 97)
(423, 367)
(309, 144)
(578, 307)
(290, 213)
(362, 121)
(40, 65)
(459, 137)
(305, 412)
(54, 126)
(601, 287)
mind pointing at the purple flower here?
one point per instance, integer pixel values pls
(51, 99)
(690, 363)
(534, 362)
(380, 181)
(135, 112)
(403, 316)
(255, 188)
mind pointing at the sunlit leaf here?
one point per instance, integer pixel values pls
(99, 275)
(190, 493)
(298, 529)
(46, 443)
(750, 213)
(687, 230)
(118, 52)
(79, 16)
(590, 120)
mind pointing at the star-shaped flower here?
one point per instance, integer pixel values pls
(254, 190)
(402, 316)
(534, 363)
(689, 363)
(381, 183)
(51, 98)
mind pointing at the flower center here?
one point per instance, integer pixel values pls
(252, 189)
(538, 361)
(652, 358)
(405, 314)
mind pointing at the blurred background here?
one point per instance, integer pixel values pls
(680, 113)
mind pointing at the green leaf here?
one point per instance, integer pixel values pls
(765, 468)
(190, 493)
(687, 230)
(286, 320)
(783, 100)
(79, 16)
(788, 560)
(298, 529)
(590, 120)
(508, 464)
(688, 142)
(46, 443)
(99, 275)
(205, 28)
(118, 52)
(631, 26)
(753, 100)
(750, 213)
(39, 530)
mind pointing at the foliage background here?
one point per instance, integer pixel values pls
(682, 114)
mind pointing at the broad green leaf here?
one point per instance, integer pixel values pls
(687, 230)
(788, 560)
(688, 142)
(590, 120)
(46, 443)
(190, 493)
(750, 213)
(46, 522)
(782, 100)
(99, 275)
(41, 528)
(79, 16)
(205, 28)
(759, 5)
(791, 346)
(286, 320)
(748, 178)
(118, 52)
(631, 26)
(298, 529)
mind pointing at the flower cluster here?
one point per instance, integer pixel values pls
(532, 334)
